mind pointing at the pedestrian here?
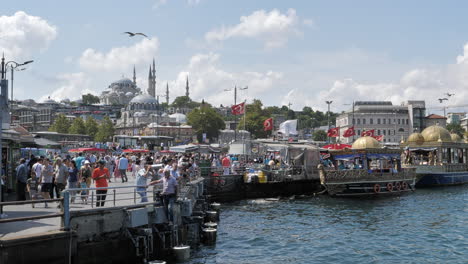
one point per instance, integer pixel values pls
(37, 167)
(61, 176)
(226, 162)
(141, 180)
(169, 193)
(73, 179)
(79, 160)
(100, 176)
(109, 165)
(32, 187)
(46, 179)
(123, 166)
(21, 178)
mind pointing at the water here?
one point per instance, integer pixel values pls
(428, 226)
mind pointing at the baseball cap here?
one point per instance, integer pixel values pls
(87, 162)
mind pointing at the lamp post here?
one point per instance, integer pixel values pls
(328, 117)
(235, 102)
(13, 65)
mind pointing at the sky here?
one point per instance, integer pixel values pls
(298, 52)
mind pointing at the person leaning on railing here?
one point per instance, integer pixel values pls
(100, 176)
(169, 193)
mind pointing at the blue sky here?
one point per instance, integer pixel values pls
(303, 52)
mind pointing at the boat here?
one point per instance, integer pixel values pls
(440, 158)
(366, 169)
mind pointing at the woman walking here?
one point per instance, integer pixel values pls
(73, 179)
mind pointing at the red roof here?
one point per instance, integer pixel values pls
(434, 116)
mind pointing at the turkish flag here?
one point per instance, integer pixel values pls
(268, 124)
(238, 109)
(379, 138)
(334, 132)
(368, 133)
(349, 132)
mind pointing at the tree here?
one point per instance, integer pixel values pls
(61, 124)
(91, 127)
(319, 135)
(105, 131)
(205, 120)
(89, 99)
(254, 118)
(78, 126)
(185, 101)
(456, 128)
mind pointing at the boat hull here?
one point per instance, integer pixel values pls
(442, 179)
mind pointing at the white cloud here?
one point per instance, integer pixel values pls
(23, 35)
(159, 3)
(121, 58)
(72, 86)
(273, 28)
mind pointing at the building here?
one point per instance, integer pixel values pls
(417, 115)
(227, 136)
(180, 133)
(390, 121)
(464, 123)
(120, 92)
(455, 118)
(141, 110)
(433, 119)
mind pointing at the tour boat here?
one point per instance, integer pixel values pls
(366, 169)
(440, 158)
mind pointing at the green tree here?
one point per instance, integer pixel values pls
(185, 101)
(254, 118)
(89, 99)
(105, 131)
(456, 128)
(61, 124)
(77, 126)
(91, 127)
(319, 135)
(205, 120)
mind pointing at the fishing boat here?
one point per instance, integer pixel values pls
(440, 158)
(366, 169)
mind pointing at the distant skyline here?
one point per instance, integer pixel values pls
(302, 52)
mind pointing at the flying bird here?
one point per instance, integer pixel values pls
(131, 34)
(449, 94)
(442, 99)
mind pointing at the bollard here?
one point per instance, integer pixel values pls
(210, 225)
(182, 253)
(157, 262)
(211, 216)
(209, 236)
(215, 206)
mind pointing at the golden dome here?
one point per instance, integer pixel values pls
(366, 143)
(455, 137)
(416, 138)
(436, 134)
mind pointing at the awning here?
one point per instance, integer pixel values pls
(136, 151)
(44, 142)
(87, 150)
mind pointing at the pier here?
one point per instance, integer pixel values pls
(82, 233)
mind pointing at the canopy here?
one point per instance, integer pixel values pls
(336, 146)
(166, 151)
(195, 148)
(87, 150)
(136, 151)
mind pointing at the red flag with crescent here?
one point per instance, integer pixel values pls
(334, 132)
(238, 109)
(368, 133)
(349, 132)
(268, 124)
(379, 138)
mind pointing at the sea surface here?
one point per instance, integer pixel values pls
(427, 226)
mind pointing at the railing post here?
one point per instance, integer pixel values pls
(66, 209)
(114, 196)
(92, 198)
(134, 195)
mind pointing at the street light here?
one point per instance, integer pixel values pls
(13, 66)
(328, 116)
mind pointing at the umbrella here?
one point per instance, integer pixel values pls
(336, 146)
(87, 150)
(166, 151)
(136, 151)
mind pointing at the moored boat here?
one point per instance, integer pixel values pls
(440, 158)
(367, 169)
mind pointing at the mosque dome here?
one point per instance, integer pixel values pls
(143, 99)
(416, 138)
(456, 137)
(124, 81)
(180, 118)
(49, 101)
(366, 143)
(129, 94)
(436, 133)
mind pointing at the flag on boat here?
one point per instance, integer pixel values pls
(288, 127)
(368, 133)
(349, 132)
(268, 124)
(333, 132)
(238, 109)
(379, 138)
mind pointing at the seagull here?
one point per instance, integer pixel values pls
(131, 34)
(442, 99)
(449, 94)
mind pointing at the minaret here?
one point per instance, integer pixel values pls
(154, 79)
(167, 93)
(149, 81)
(187, 88)
(134, 75)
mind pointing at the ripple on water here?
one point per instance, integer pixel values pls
(427, 226)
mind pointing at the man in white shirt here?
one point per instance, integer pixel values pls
(37, 167)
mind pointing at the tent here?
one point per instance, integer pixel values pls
(336, 146)
(87, 150)
(136, 151)
(195, 148)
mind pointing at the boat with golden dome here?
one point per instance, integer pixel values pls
(440, 158)
(366, 169)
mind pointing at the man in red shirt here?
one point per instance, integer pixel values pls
(226, 162)
(100, 176)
